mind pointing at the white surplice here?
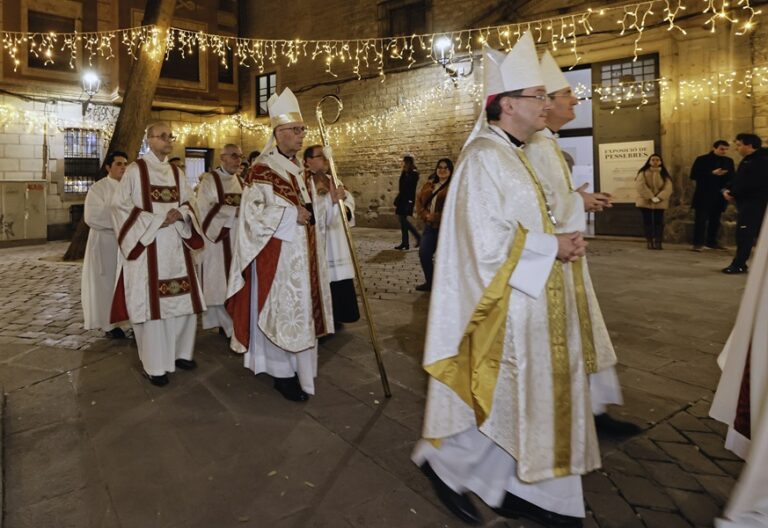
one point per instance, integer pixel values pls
(282, 336)
(568, 208)
(101, 254)
(340, 266)
(748, 505)
(159, 282)
(218, 198)
(492, 200)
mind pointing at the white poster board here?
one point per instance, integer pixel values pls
(619, 163)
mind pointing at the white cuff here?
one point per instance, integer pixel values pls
(185, 229)
(532, 271)
(149, 235)
(577, 218)
(231, 219)
(287, 228)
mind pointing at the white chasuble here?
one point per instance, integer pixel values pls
(218, 200)
(157, 279)
(568, 208)
(741, 399)
(279, 268)
(503, 344)
(101, 254)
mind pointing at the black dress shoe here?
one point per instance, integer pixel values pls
(605, 423)
(515, 507)
(458, 503)
(186, 364)
(157, 381)
(116, 333)
(424, 287)
(733, 270)
(291, 389)
(402, 247)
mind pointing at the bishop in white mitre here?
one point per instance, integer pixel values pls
(741, 399)
(100, 263)
(508, 414)
(218, 201)
(158, 289)
(278, 293)
(569, 208)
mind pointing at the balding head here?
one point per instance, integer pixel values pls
(230, 157)
(160, 139)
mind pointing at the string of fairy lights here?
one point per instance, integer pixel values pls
(367, 54)
(376, 53)
(707, 89)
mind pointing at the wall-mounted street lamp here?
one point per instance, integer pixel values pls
(91, 85)
(443, 52)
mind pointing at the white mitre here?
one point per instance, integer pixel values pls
(554, 78)
(516, 70)
(284, 109)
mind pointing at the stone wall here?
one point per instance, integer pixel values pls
(760, 93)
(21, 152)
(381, 108)
(370, 167)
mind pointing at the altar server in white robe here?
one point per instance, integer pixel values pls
(569, 207)
(218, 201)
(341, 270)
(158, 289)
(278, 293)
(101, 253)
(508, 414)
(741, 400)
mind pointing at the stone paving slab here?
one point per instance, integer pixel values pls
(93, 444)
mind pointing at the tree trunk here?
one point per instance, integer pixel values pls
(134, 113)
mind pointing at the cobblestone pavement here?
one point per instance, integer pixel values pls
(41, 298)
(89, 443)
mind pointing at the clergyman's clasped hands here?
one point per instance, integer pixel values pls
(571, 246)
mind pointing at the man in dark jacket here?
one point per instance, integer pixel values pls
(749, 189)
(712, 172)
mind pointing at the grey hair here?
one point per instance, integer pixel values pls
(151, 127)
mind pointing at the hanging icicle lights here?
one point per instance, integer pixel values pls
(370, 54)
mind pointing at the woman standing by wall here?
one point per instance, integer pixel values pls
(654, 187)
(404, 201)
(429, 207)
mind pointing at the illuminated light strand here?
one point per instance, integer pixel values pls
(625, 95)
(371, 53)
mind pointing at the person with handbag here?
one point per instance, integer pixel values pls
(429, 208)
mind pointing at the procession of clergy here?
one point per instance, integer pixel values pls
(520, 361)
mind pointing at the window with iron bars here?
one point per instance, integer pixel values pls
(82, 159)
(628, 81)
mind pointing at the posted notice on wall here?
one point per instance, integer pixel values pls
(619, 163)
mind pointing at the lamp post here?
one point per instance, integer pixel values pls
(443, 53)
(91, 85)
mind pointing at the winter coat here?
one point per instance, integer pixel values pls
(650, 183)
(406, 196)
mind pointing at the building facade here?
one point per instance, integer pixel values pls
(421, 108)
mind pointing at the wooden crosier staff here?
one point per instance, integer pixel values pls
(347, 232)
